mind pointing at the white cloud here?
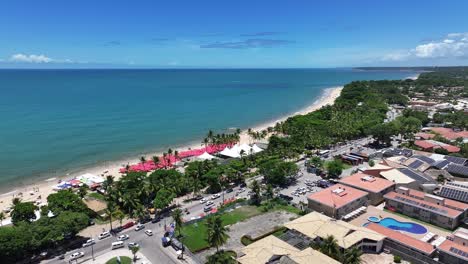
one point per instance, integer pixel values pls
(455, 45)
(30, 58)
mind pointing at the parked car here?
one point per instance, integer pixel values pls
(176, 244)
(76, 255)
(128, 225)
(156, 219)
(202, 201)
(89, 242)
(123, 237)
(209, 203)
(215, 196)
(230, 190)
(104, 235)
(207, 208)
(149, 232)
(139, 227)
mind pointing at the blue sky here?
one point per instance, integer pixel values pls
(225, 34)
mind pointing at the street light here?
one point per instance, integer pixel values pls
(92, 251)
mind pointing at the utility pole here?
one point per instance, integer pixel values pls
(92, 251)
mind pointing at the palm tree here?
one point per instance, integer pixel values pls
(2, 217)
(110, 180)
(205, 142)
(82, 191)
(134, 250)
(330, 247)
(352, 256)
(155, 159)
(119, 215)
(177, 216)
(110, 211)
(216, 232)
(15, 201)
(143, 160)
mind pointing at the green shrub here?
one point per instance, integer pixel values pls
(397, 259)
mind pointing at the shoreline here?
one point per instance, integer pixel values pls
(31, 191)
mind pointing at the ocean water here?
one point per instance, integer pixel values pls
(56, 121)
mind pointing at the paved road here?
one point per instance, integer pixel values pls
(150, 246)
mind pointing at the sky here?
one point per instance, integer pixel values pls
(232, 34)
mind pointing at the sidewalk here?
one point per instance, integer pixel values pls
(102, 259)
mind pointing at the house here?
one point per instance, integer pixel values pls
(449, 133)
(273, 250)
(431, 145)
(454, 250)
(426, 207)
(455, 190)
(338, 200)
(376, 169)
(408, 247)
(317, 227)
(399, 178)
(374, 186)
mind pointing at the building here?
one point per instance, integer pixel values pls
(375, 187)
(399, 179)
(409, 248)
(449, 133)
(455, 190)
(376, 169)
(457, 170)
(273, 250)
(430, 208)
(317, 227)
(431, 145)
(337, 201)
(454, 250)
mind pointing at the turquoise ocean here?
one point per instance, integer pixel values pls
(58, 121)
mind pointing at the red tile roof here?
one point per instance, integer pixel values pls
(424, 135)
(432, 144)
(447, 244)
(368, 183)
(337, 195)
(450, 212)
(448, 133)
(406, 240)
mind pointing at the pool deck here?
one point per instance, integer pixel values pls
(373, 211)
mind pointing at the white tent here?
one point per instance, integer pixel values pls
(230, 153)
(205, 156)
(246, 148)
(256, 149)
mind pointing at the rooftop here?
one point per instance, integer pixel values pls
(337, 195)
(366, 182)
(416, 198)
(396, 176)
(264, 249)
(448, 133)
(455, 249)
(402, 238)
(318, 225)
(379, 166)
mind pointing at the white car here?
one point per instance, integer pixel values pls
(215, 196)
(149, 232)
(89, 242)
(123, 237)
(139, 227)
(209, 203)
(202, 201)
(104, 235)
(76, 255)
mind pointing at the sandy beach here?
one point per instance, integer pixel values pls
(40, 190)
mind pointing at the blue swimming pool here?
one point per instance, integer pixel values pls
(402, 226)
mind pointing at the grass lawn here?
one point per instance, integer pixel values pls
(194, 234)
(96, 196)
(123, 260)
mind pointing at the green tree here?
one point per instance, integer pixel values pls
(83, 190)
(23, 212)
(110, 210)
(335, 168)
(119, 215)
(440, 178)
(2, 217)
(352, 256)
(255, 196)
(329, 247)
(269, 192)
(163, 198)
(134, 251)
(277, 172)
(65, 200)
(177, 217)
(216, 232)
(371, 163)
(316, 162)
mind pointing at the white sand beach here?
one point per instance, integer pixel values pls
(40, 190)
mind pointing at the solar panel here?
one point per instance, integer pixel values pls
(457, 169)
(424, 158)
(454, 194)
(415, 164)
(426, 206)
(464, 186)
(415, 176)
(440, 164)
(458, 252)
(456, 160)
